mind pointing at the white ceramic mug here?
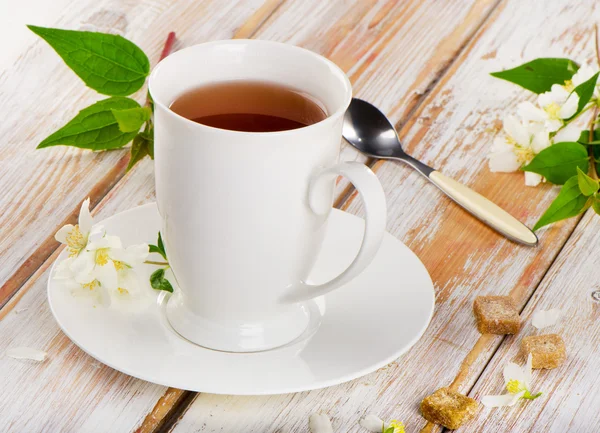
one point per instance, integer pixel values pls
(244, 214)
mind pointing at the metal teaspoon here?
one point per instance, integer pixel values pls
(369, 130)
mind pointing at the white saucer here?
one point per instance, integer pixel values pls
(366, 325)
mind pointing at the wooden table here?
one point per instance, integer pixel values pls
(426, 64)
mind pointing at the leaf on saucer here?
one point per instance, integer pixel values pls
(159, 282)
(159, 248)
(540, 74)
(94, 127)
(109, 64)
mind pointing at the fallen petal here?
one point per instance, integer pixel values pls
(26, 353)
(501, 400)
(372, 423)
(544, 318)
(320, 423)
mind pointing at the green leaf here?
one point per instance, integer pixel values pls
(569, 203)
(161, 245)
(94, 127)
(156, 278)
(596, 204)
(540, 74)
(140, 148)
(159, 282)
(159, 248)
(131, 119)
(109, 64)
(585, 91)
(584, 137)
(587, 184)
(559, 162)
(155, 249)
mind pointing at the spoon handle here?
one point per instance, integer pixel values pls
(484, 209)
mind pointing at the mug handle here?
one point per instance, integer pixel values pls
(367, 184)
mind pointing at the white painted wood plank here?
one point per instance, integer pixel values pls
(570, 401)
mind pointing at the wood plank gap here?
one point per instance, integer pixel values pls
(178, 412)
(166, 407)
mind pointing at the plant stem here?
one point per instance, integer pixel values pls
(150, 262)
(168, 46)
(596, 43)
(590, 139)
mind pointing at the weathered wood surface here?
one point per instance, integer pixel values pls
(453, 130)
(134, 189)
(403, 49)
(570, 401)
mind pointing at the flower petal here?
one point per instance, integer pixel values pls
(541, 140)
(513, 371)
(505, 161)
(372, 423)
(570, 106)
(83, 265)
(107, 275)
(85, 218)
(532, 179)
(133, 255)
(516, 130)
(97, 232)
(63, 232)
(501, 400)
(26, 353)
(105, 242)
(319, 423)
(584, 73)
(544, 318)
(568, 133)
(530, 113)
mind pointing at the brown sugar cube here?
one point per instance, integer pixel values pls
(448, 408)
(496, 315)
(547, 351)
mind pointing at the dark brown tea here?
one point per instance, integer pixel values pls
(251, 106)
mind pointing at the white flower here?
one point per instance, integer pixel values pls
(517, 380)
(375, 424)
(554, 107)
(544, 318)
(125, 261)
(97, 262)
(518, 147)
(320, 423)
(93, 288)
(75, 237)
(583, 74)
